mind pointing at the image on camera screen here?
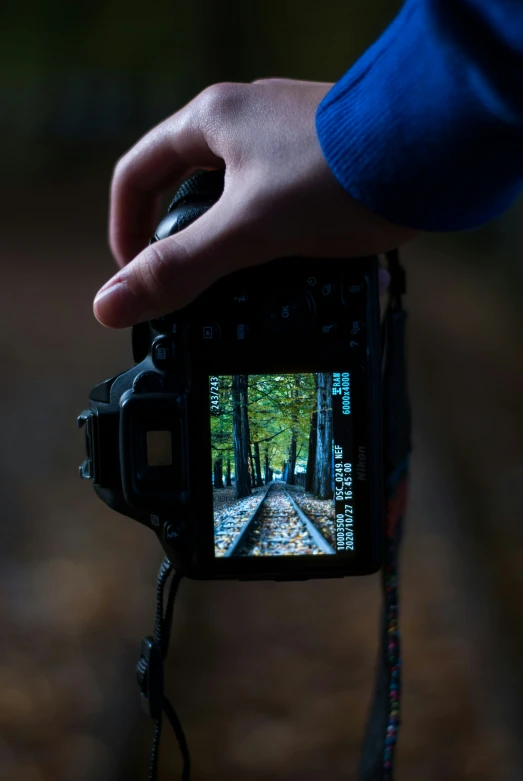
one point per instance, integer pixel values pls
(282, 467)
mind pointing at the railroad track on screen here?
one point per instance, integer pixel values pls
(279, 527)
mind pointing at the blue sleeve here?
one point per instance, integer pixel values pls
(426, 129)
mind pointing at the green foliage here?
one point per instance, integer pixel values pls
(280, 406)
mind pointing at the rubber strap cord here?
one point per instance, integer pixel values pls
(149, 672)
(379, 745)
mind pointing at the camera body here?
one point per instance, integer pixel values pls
(248, 433)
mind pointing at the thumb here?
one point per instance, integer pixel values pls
(170, 273)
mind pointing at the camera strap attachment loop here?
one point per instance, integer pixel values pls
(149, 672)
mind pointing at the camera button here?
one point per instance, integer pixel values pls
(163, 352)
(326, 291)
(289, 311)
(356, 335)
(329, 329)
(205, 333)
(327, 295)
(312, 281)
(354, 291)
(356, 329)
(239, 299)
(241, 332)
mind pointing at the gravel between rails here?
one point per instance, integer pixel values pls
(319, 511)
(229, 521)
(278, 529)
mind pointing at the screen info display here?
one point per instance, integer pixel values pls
(282, 469)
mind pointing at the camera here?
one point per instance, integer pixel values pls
(248, 433)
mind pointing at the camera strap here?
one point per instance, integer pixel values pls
(379, 744)
(149, 672)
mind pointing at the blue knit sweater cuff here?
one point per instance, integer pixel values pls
(414, 132)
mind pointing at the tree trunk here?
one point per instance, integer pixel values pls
(267, 478)
(252, 472)
(257, 464)
(228, 473)
(246, 434)
(291, 477)
(241, 469)
(311, 456)
(323, 469)
(292, 462)
(218, 473)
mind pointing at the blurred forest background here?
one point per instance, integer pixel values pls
(272, 680)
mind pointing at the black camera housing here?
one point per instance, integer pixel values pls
(288, 316)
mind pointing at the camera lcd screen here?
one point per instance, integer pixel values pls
(282, 464)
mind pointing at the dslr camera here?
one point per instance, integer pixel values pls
(248, 435)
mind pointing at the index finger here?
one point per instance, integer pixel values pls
(164, 157)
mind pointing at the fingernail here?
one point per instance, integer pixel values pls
(115, 307)
(105, 291)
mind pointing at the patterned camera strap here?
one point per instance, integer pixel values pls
(377, 759)
(379, 745)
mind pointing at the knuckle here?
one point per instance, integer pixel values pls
(223, 98)
(220, 109)
(269, 80)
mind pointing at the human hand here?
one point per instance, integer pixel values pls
(280, 198)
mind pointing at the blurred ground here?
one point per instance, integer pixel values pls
(272, 680)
